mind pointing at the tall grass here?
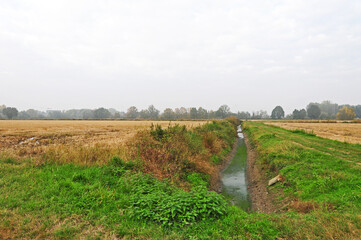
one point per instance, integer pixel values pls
(175, 151)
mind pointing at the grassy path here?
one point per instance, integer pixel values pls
(315, 169)
(351, 152)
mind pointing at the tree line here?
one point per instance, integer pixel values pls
(132, 113)
(323, 110)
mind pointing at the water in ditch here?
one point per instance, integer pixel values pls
(234, 179)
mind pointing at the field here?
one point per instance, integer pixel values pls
(85, 142)
(343, 132)
(158, 185)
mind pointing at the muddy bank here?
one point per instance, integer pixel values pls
(260, 195)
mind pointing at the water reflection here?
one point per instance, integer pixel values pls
(234, 177)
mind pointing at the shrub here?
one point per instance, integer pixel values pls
(117, 162)
(179, 207)
(234, 120)
(120, 163)
(171, 152)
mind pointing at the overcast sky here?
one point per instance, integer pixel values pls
(250, 55)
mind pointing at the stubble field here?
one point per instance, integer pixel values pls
(85, 142)
(343, 132)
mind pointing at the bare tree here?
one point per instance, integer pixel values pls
(132, 112)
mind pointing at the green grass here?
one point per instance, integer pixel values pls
(315, 169)
(119, 200)
(321, 175)
(123, 202)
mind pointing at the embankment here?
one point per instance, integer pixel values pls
(257, 182)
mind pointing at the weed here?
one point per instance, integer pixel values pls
(178, 207)
(11, 161)
(198, 179)
(169, 152)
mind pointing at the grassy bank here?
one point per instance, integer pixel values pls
(161, 193)
(321, 180)
(176, 153)
(70, 201)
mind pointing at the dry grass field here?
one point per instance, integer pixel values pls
(344, 132)
(86, 142)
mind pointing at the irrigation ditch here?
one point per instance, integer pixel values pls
(234, 176)
(243, 182)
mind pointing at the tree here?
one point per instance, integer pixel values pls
(277, 113)
(181, 113)
(10, 112)
(261, 114)
(324, 116)
(102, 113)
(55, 114)
(112, 111)
(346, 113)
(244, 115)
(168, 114)
(330, 109)
(33, 114)
(132, 112)
(22, 115)
(223, 111)
(289, 116)
(87, 114)
(116, 115)
(313, 111)
(211, 114)
(299, 114)
(144, 114)
(358, 111)
(153, 112)
(73, 114)
(202, 113)
(193, 113)
(303, 113)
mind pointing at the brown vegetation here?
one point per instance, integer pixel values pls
(85, 142)
(344, 132)
(174, 152)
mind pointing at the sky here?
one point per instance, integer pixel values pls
(250, 55)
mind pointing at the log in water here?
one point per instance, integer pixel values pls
(234, 181)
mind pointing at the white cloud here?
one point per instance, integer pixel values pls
(177, 53)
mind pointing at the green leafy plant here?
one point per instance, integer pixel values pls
(178, 208)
